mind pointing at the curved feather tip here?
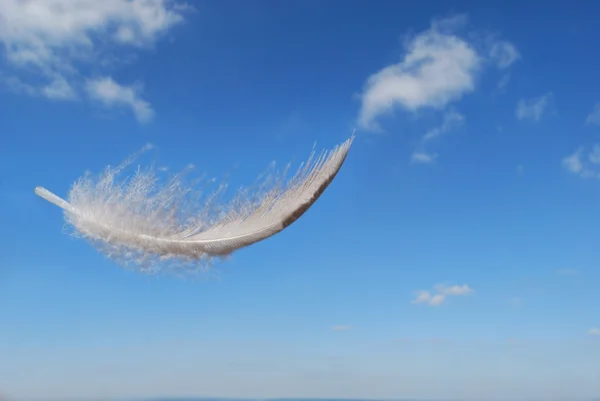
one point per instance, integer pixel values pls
(138, 222)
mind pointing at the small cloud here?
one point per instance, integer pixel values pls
(110, 93)
(503, 82)
(453, 290)
(452, 120)
(425, 297)
(440, 294)
(587, 167)
(594, 117)
(566, 272)
(573, 163)
(520, 169)
(504, 54)
(533, 109)
(423, 157)
(438, 68)
(341, 328)
(594, 331)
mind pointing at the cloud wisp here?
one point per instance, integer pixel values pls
(583, 164)
(440, 294)
(594, 117)
(110, 93)
(451, 121)
(420, 157)
(533, 109)
(50, 46)
(504, 54)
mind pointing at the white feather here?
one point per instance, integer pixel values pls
(136, 221)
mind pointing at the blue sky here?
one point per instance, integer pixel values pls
(455, 255)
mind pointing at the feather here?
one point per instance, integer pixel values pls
(138, 222)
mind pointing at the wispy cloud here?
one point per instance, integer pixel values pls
(594, 117)
(586, 167)
(53, 41)
(533, 109)
(503, 82)
(440, 293)
(423, 157)
(594, 331)
(110, 93)
(341, 328)
(573, 162)
(452, 120)
(504, 54)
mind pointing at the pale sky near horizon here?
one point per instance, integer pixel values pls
(454, 256)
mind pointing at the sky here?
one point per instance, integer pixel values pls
(454, 256)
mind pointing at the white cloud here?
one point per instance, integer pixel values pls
(110, 93)
(575, 163)
(440, 294)
(341, 328)
(438, 68)
(423, 157)
(533, 109)
(54, 38)
(594, 331)
(504, 54)
(594, 117)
